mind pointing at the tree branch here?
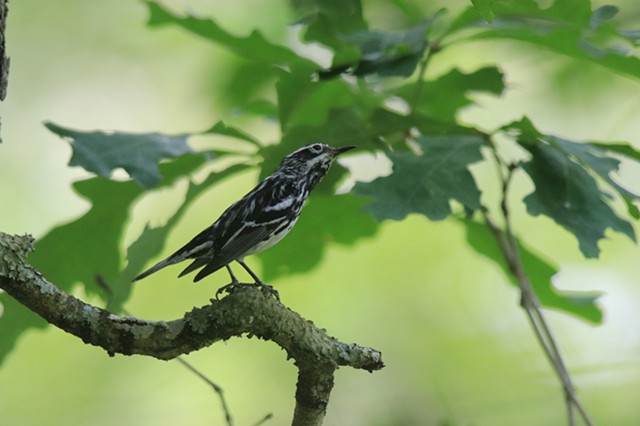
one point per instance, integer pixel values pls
(246, 310)
(4, 59)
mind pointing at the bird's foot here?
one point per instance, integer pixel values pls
(226, 288)
(234, 284)
(268, 288)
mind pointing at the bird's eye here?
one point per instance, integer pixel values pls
(316, 148)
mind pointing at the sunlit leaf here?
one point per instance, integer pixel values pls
(485, 8)
(252, 47)
(303, 101)
(87, 248)
(446, 95)
(569, 28)
(540, 273)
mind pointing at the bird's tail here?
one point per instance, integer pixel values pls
(155, 268)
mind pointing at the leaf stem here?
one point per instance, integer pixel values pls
(424, 62)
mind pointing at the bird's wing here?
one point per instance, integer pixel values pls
(196, 264)
(242, 241)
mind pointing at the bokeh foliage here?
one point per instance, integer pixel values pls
(376, 94)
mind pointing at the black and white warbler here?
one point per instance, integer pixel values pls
(258, 220)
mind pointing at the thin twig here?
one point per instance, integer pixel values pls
(106, 287)
(264, 419)
(528, 298)
(217, 389)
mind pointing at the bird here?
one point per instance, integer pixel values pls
(257, 221)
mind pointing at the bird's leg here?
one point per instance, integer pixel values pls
(228, 287)
(258, 281)
(234, 280)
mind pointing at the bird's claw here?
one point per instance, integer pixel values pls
(233, 284)
(269, 289)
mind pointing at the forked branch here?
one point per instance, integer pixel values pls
(246, 311)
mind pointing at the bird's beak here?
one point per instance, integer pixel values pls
(343, 149)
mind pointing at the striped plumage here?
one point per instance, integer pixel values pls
(259, 219)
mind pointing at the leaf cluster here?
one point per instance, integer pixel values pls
(375, 94)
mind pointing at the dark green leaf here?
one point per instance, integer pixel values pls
(620, 148)
(383, 53)
(253, 47)
(137, 154)
(597, 159)
(328, 21)
(426, 183)
(569, 195)
(327, 219)
(602, 14)
(566, 191)
(540, 273)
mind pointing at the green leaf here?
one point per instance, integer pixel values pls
(89, 245)
(222, 129)
(246, 81)
(426, 183)
(569, 28)
(596, 158)
(303, 101)
(566, 191)
(382, 53)
(326, 219)
(485, 8)
(137, 154)
(14, 321)
(540, 273)
(328, 21)
(445, 96)
(254, 47)
(569, 195)
(602, 14)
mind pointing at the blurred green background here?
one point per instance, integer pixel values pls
(457, 347)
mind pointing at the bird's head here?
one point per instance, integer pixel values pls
(311, 162)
